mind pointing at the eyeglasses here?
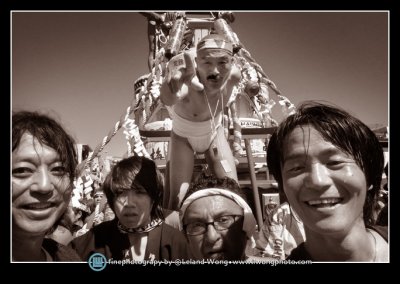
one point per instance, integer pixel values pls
(220, 224)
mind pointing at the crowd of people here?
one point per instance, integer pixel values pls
(332, 186)
(327, 163)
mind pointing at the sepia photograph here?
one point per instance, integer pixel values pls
(179, 138)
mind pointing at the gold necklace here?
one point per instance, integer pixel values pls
(375, 245)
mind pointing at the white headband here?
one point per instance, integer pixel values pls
(249, 222)
(216, 43)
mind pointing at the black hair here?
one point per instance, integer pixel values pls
(49, 132)
(344, 131)
(140, 170)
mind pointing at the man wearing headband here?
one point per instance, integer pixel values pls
(217, 221)
(195, 90)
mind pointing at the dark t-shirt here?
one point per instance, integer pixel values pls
(300, 252)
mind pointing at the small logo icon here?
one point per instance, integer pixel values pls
(97, 262)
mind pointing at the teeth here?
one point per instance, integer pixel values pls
(38, 206)
(324, 201)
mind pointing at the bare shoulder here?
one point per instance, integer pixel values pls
(235, 75)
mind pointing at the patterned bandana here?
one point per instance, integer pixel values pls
(215, 43)
(140, 230)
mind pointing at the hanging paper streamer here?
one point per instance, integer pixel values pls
(129, 126)
(132, 134)
(108, 137)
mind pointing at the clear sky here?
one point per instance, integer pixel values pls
(81, 66)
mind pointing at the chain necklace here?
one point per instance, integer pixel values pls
(145, 229)
(211, 113)
(212, 120)
(224, 163)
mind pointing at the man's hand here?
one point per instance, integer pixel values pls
(81, 231)
(98, 219)
(181, 70)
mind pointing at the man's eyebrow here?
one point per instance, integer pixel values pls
(200, 217)
(301, 154)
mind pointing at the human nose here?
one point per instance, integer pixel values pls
(42, 182)
(317, 177)
(214, 70)
(130, 198)
(212, 235)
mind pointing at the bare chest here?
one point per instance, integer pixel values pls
(195, 107)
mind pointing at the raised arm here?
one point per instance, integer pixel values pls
(180, 71)
(233, 79)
